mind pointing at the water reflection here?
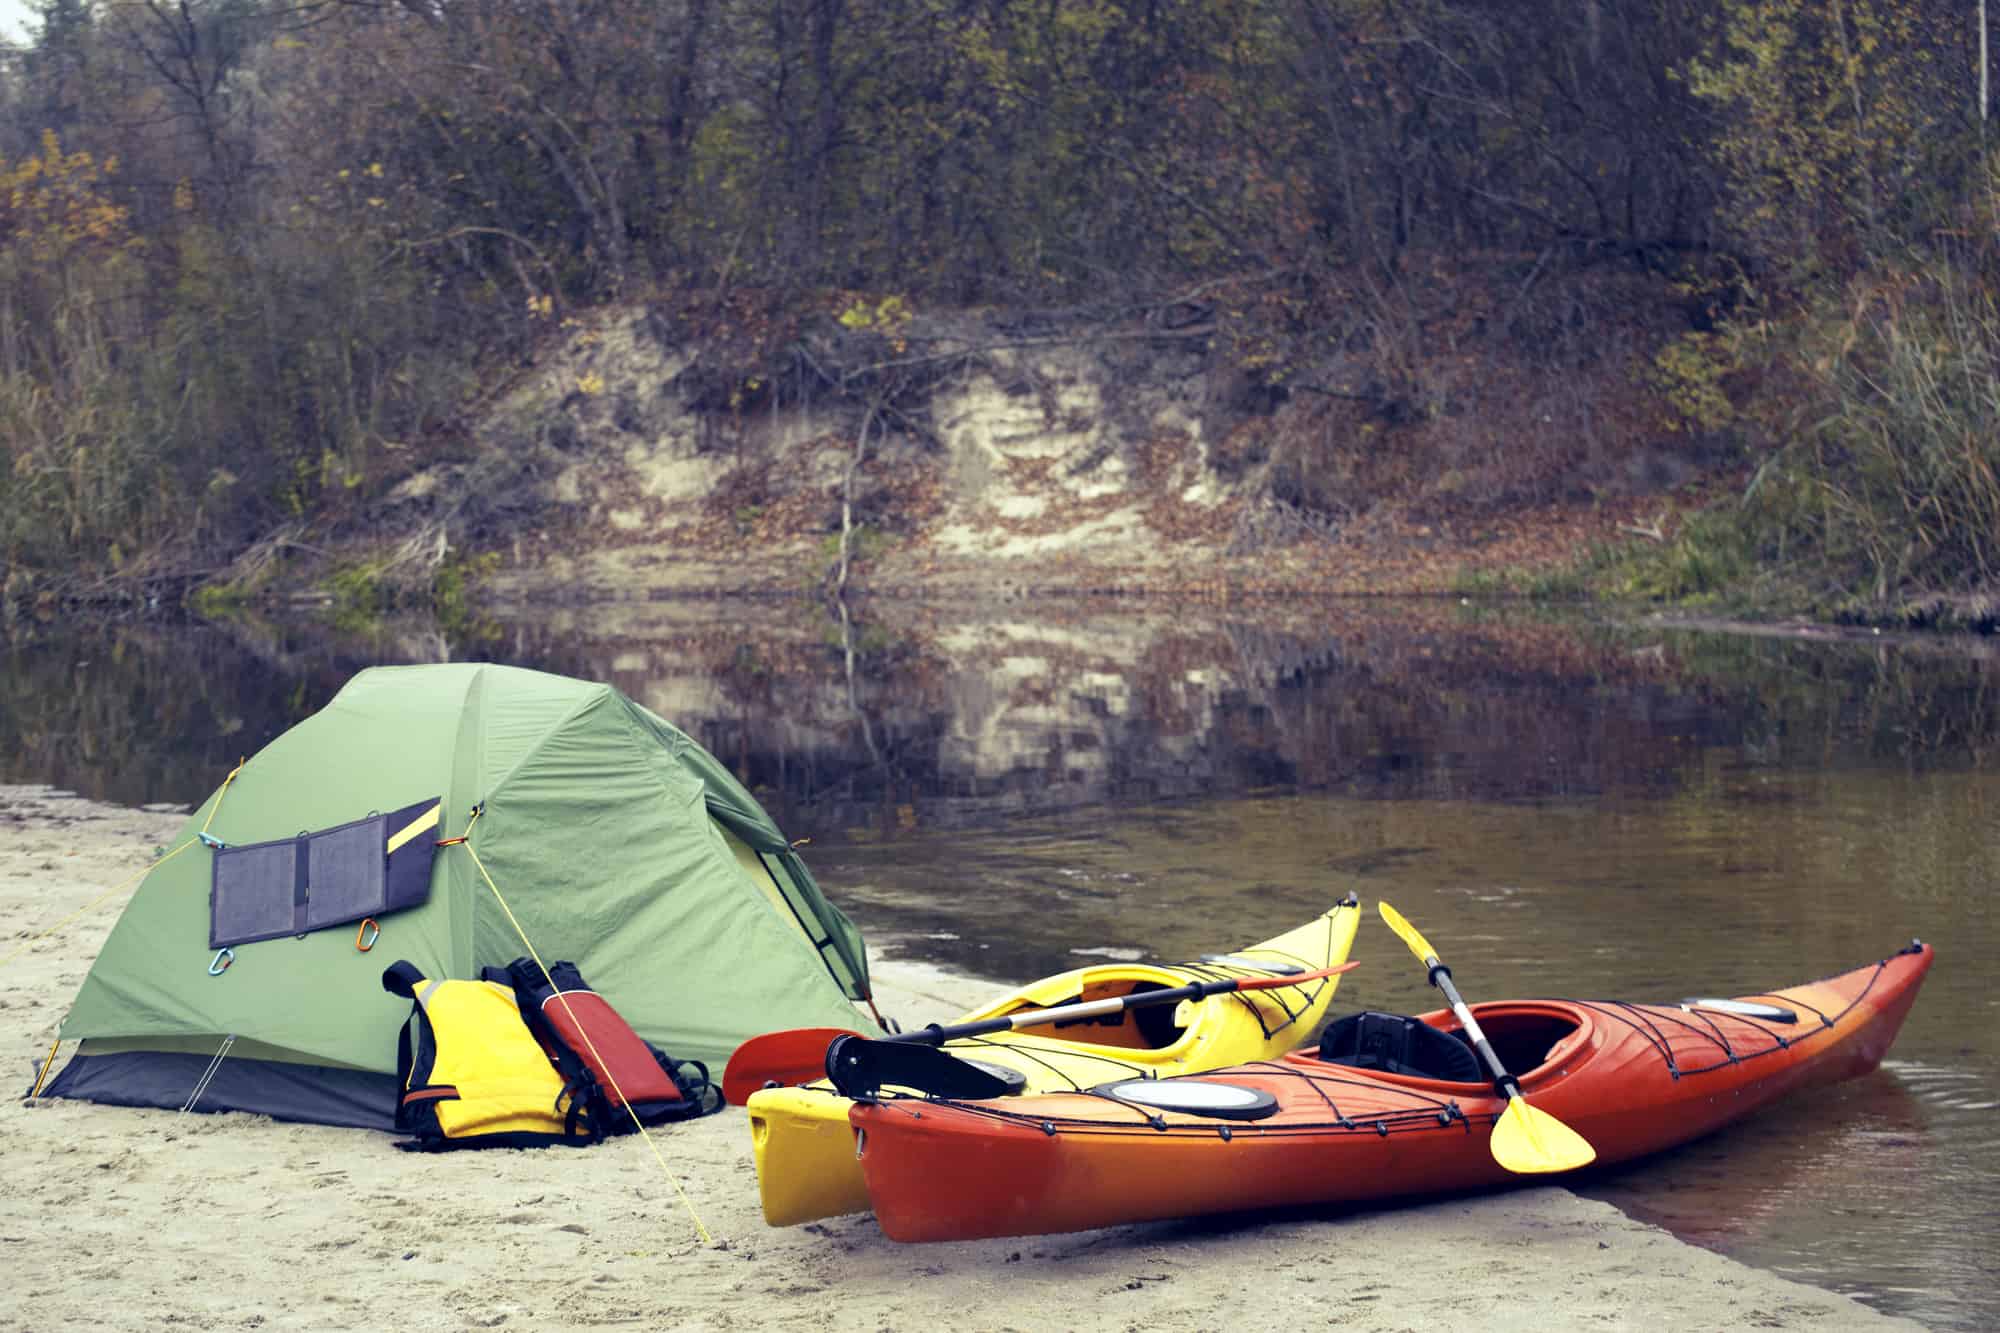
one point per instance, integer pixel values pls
(919, 716)
(1569, 807)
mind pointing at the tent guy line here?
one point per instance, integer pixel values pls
(109, 893)
(465, 840)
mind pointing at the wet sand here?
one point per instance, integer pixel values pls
(126, 1219)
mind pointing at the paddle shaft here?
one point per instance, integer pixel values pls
(1503, 1081)
(937, 1034)
(798, 1055)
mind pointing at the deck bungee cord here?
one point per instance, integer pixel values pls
(1649, 1019)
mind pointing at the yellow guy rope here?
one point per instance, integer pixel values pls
(700, 1229)
(140, 873)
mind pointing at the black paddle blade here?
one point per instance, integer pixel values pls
(860, 1068)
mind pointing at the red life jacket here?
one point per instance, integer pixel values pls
(616, 1081)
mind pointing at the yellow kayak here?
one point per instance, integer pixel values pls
(806, 1168)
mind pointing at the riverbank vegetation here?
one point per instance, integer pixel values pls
(259, 261)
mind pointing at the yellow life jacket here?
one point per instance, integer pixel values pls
(472, 1075)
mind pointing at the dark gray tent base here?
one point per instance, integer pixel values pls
(282, 1091)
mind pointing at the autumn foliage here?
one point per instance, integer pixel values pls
(260, 259)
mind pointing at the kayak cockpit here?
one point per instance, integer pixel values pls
(1524, 1036)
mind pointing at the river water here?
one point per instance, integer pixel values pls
(1564, 807)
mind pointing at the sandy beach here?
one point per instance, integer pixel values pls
(123, 1219)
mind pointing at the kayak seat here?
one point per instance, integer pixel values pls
(1399, 1044)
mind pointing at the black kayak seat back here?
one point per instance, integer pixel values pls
(1399, 1044)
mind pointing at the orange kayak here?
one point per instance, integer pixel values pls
(1399, 1109)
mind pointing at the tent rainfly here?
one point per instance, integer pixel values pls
(439, 814)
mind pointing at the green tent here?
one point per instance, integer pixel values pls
(583, 821)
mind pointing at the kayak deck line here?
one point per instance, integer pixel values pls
(1772, 1027)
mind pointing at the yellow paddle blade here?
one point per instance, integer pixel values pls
(1419, 946)
(1531, 1142)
